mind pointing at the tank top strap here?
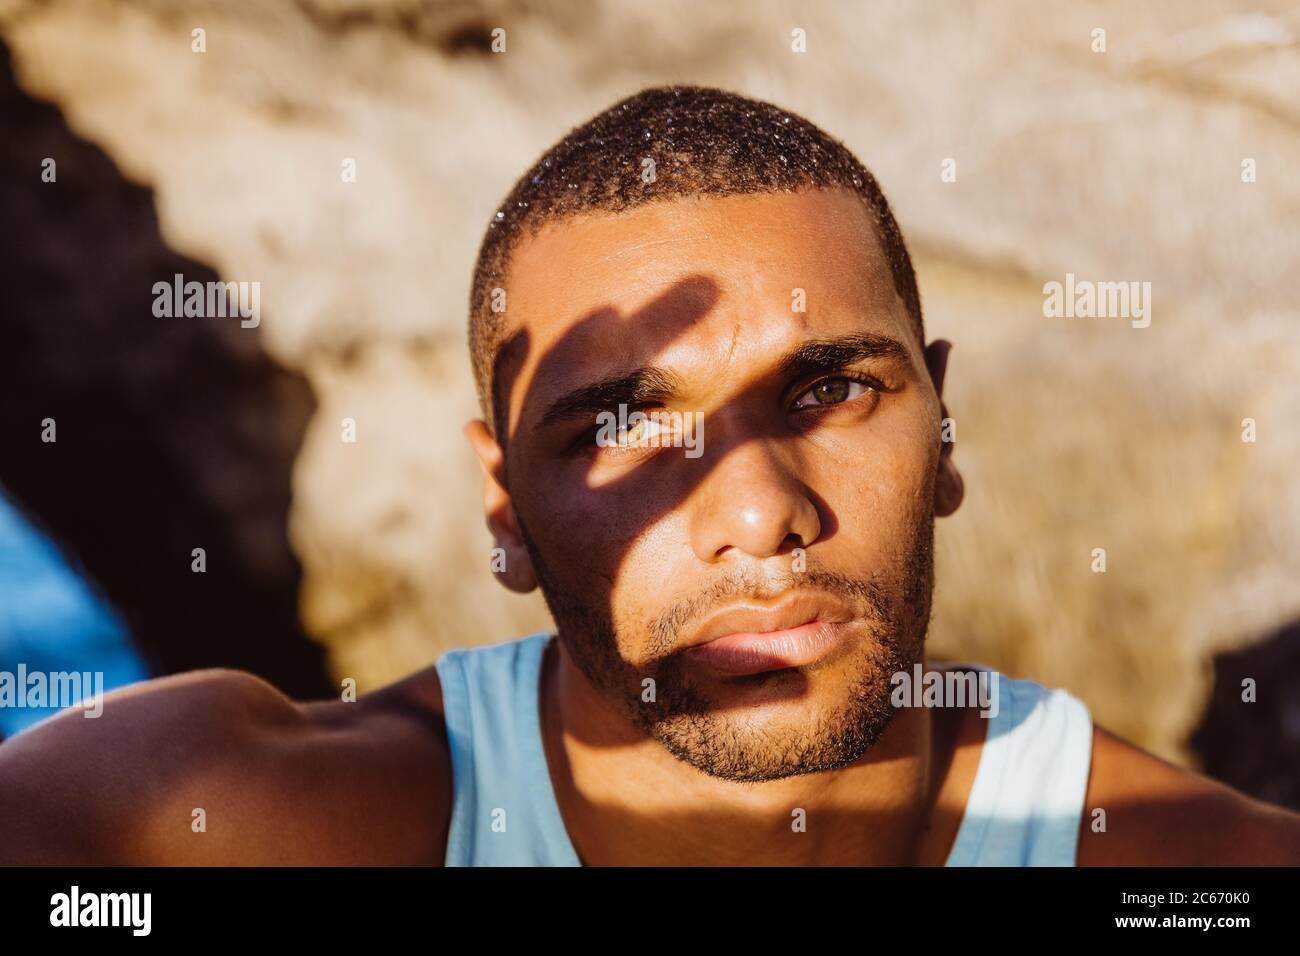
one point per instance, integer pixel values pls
(504, 811)
(1027, 801)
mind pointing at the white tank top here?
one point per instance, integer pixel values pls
(1024, 809)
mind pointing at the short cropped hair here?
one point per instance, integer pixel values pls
(703, 142)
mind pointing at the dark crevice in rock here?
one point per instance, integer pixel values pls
(1255, 746)
(172, 434)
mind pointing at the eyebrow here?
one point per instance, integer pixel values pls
(655, 385)
(648, 385)
(831, 355)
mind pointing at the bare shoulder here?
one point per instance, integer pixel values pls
(218, 767)
(1156, 814)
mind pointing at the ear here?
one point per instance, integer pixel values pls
(518, 574)
(948, 487)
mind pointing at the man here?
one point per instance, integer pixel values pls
(740, 576)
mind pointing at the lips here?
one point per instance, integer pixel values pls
(753, 638)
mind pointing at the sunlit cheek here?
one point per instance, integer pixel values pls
(875, 494)
(902, 450)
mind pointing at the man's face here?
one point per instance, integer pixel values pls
(807, 505)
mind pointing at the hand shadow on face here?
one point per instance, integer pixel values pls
(663, 480)
(654, 328)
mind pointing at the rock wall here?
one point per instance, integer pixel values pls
(1073, 435)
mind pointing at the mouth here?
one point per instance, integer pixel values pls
(754, 639)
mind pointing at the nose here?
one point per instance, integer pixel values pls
(753, 501)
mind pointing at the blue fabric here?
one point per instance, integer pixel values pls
(504, 811)
(1024, 808)
(51, 620)
(1026, 803)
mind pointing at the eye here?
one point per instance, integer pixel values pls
(644, 429)
(627, 434)
(832, 391)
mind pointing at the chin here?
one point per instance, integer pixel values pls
(779, 728)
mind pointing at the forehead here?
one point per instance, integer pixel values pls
(702, 285)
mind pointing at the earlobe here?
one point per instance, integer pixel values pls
(512, 564)
(516, 573)
(949, 489)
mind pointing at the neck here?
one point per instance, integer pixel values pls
(626, 800)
